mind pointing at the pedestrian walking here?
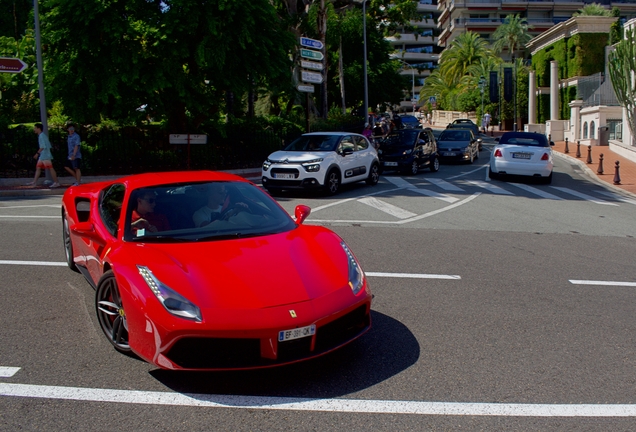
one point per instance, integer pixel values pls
(73, 163)
(43, 156)
(486, 122)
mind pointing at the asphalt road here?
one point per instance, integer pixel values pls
(532, 329)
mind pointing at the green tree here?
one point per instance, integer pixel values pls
(511, 34)
(622, 64)
(464, 51)
(176, 58)
(14, 17)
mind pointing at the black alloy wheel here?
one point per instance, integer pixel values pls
(413, 168)
(68, 245)
(374, 175)
(332, 182)
(434, 164)
(110, 312)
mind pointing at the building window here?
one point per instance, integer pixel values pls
(592, 129)
(585, 130)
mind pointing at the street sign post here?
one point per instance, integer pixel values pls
(314, 55)
(311, 65)
(305, 88)
(12, 65)
(188, 139)
(311, 43)
(311, 77)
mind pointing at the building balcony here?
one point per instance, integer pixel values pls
(425, 23)
(410, 39)
(416, 57)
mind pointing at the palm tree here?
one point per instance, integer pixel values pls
(593, 9)
(512, 34)
(466, 50)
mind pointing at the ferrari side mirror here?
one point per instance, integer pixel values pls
(301, 212)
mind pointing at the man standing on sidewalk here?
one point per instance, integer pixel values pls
(74, 161)
(44, 156)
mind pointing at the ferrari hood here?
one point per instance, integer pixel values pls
(251, 273)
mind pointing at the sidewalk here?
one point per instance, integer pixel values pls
(16, 187)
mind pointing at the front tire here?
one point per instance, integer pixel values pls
(332, 182)
(374, 175)
(68, 244)
(111, 313)
(435, 164)
(413, 168)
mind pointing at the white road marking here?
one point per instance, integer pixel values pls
(400, 182)
(443, 184)
(583, 196)
(34, 263)
(536, 191)
(403, 221)
(30, 217)
(616, 197)
(466, 173)
(436, 195)
(311, 404)
(412, 275)
(604, 283)
(322, 207)
(32, 206)
(8, 372)
(490, 187)
(387, 208)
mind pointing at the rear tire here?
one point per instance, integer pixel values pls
(548, 179)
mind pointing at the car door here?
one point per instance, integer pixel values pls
(366, 155)
(348, 158)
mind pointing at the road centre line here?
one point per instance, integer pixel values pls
(34, 263)
(412, 275)
(603, 283)
(8, 372)
(310, 404)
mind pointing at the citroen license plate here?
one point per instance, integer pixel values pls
(296, 333)
(284, 176)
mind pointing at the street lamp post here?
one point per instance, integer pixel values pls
(366, 84)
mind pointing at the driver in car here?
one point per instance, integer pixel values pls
(144, 216)
(218, 207)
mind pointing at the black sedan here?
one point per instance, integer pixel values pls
(408, 150)
(458, 145)
(471, 126)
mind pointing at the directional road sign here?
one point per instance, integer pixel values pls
(310, 43)
(311, 65)
(12, 65)
(311, 77)
(188, 139)
(305, 88)
(315, 55)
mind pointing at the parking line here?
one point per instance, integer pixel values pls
(602, 283)
(8, 372)
(314, 404)
(387, 208)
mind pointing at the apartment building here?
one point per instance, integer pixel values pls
(484, 16)
(418, 50)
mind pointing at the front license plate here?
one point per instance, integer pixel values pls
(284, 176)
(521, 155)
(390, 163)
(449, 154)
(296, 333)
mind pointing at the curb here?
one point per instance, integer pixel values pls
(251, 174)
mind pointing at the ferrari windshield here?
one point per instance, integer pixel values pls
(187, 212)
(314, 143)
(403, 138)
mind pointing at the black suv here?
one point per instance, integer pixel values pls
(407, 150)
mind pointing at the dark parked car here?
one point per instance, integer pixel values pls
(410, 122)
(458, 145)
(470, 126)
(408, 150)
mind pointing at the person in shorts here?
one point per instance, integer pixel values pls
(44, 157)
(74, 161)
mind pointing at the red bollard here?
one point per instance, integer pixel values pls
(600, 164)
(617, 176)
(589, 154)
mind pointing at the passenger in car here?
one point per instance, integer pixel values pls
(145, 218)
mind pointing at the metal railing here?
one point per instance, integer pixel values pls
(596, 90)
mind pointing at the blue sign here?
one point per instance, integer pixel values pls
(310, 43)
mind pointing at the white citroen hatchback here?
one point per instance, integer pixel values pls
(322, 160)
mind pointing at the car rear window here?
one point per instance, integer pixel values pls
(524, 141)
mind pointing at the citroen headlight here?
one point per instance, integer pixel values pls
(356, 275)
(267, 164)
(312, 165)
(174, 303)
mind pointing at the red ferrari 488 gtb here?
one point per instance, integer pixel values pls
(205, 271)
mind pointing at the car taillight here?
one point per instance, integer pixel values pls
(498, 153)
(545, 156)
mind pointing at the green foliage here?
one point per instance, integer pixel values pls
(511, 34)
(57, 118)
(593, 9)
(543, 108)
(14, 17)
(622, 64)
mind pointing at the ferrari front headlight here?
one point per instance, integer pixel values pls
(356, 275)
(174, 302)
